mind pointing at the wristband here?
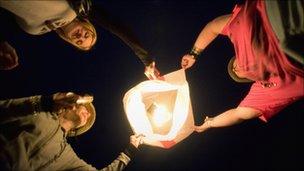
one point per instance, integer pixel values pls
(131, 151)
(195, 52)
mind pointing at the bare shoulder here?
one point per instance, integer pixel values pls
(220, 22)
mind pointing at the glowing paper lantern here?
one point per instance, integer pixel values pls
(161, 110)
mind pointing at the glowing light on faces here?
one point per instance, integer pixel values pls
(79, 35)
(83, 114)
(82, 37)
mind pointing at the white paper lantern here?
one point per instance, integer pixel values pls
(161, 110)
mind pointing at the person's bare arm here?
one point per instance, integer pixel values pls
(211, 31)
(206, 36)
(228, 118)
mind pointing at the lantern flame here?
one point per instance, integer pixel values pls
(161, 115)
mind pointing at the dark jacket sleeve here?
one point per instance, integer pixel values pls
(73, 162)
(123, 159)
(9, 30)
(99, 17)
(11, 109)
(4, 15)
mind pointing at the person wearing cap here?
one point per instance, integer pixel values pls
(70, 19)
(268, 42)
(33, 132)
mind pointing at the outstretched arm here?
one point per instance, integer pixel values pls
(73, 162)
(211, 31)
(206, 36)
(228, 118)
(125, 157)
(101, 18)
(11, 109)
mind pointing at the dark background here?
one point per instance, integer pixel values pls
(168, 30)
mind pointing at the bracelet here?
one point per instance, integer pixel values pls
(208, 121)
(195, 52)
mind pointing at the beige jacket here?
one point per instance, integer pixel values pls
(32, 139)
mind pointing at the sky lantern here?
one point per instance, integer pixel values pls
(161, 110)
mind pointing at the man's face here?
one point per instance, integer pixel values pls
(78, 115)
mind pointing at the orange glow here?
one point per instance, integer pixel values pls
(161, 110)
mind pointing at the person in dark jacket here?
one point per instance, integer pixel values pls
(71, 20)
(34, 131)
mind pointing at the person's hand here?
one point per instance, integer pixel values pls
(206, 125)
(136, 140)
(8, 56)
(152, 72)
(187, 61)
(69, 100)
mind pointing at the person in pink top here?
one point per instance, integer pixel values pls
(262, 57)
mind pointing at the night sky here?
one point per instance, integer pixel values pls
(167, 29)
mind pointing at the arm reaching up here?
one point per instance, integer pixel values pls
(228, 118)
(206, 36)
(113, 25)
